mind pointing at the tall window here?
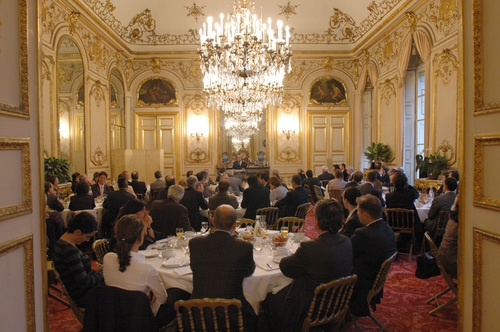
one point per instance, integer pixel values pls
(420, 130)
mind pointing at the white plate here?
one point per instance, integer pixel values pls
(175, 262)
(278, 259)
(149, 253)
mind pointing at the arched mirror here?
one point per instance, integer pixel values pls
(116, 106)
(71, 104)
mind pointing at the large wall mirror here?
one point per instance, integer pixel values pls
(71, 104)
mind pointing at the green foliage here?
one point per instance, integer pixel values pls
(379, 152)
(57, 166)
(437, 163)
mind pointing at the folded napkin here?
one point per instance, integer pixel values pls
(266, 264)
(183, 270)
(175, 262)
(149, 253)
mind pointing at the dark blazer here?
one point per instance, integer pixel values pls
(326, 176)
(327, 258)
(441, 203)
(289, 203)
(367, 188)
(193, 200)
(255, 198)
(112, 204)
(167, 215)
(385, 179)
(371, 245)
(81, 202)
(54, 203)
(96, 190)
(222, 198)
(239, 165)
(351, 224)
(139, 187)
(403, 199)
(310, 182)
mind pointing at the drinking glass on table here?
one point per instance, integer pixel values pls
(284, 231)
(179, 232)
(237, 223)
(204, 227)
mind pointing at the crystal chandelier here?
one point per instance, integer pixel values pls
(244, 61)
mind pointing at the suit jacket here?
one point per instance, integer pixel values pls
(371, 245)
(368, 188)
(81, 202)
(255, 198)
(139, 187)
(96, 190)
(157, 185)
(193, 200)
(289, 203)
(326, 176)
(351, 224)
(113, 203)
(168, 215)
(403, 199)
(222, 198)
(238, 165)
(327, 258)
(235, 184)
(54, 203)
(441, 203)
(385, 179)
(310, 182)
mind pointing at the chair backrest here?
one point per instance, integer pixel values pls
(330, 303)
(324, 183)
(434, 251)
(401, 220)
(318, 192)
(294, 224)
(336, 194)
(379, 282)
(301, 211)
(154, 194)
(77, 311)
(271, 214)
(244, 222)
(101, 248)
(442, 221)
(209, 315)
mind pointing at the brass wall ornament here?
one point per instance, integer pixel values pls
(98, 158)
(446, 63)
(97, 91)
(388, 50)
(287, 10)
(388, 91)
(195, 11)
(72, 21)
(447, 150)
(443, 14)
(98, 53)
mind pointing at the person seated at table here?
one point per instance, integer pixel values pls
(53, 202)
(55, 183)
(369, 186)
(448, 250)
(235, 183)
(440, 203)
(82, 200)
(113, 202)
(318, 261)
(263, 178)
(204, 178)
(371, 245)
(351, 223)
(219, 263)
(222, 197)
(325, 174)
(127, 269)
(310, 181)
(74, 266)
(101, 188)
(297, 196)
(138, 186)
(338, 182)
(168, 214)
(74, 180)
(254, 197)
(278, 191)
(384, 176)
(357, 178)
(193, 200)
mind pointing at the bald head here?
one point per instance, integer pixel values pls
(225, 217)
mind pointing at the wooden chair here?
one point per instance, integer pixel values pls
(442, 221)
(330, 304)
(153, 195)
(244, 222)
(294, 224)
(402, 221)
(301, 211)
(318, 192)
(324, 183)
(209, 315)
(378, 284)
(452, 285)
(53, 282)
(101, 248)
(336, 194)
(271, 214)
(79, 312)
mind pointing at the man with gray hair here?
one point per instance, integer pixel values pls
(168, 214)
(325, 175)
(193, 200)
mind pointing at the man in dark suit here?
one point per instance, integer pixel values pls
(168, 214)
(371, 245)
(351, 223)
(254, 197)
(293, 198)
(219, 263)
(193, 200)
(310, 181)
(327, 258)
(368, 187)
(101, 188)
(441, 203)
(113, 202)
(222, 197)
(325, 175)
(138, 186)
(239, 163)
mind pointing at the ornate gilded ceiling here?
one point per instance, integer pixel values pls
(175, 24)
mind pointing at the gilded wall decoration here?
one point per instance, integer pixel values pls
(142, 23)
(51, 17)
(72, 21)
(113, 96)
(447, 150)
(299, 68)
(443, 14)
(446, 63)
(98, 157)
(289, 104)
(412, 20)
(480, 142)
(387, 51)
(288, 10)
(98, 53)
(97, 91)
(47, 63)
(156, 92)
(388, 91)
(195, 11)
(327, 91)
(197, 105)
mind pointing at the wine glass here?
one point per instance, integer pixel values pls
(179, 232)
(204, 227)
(284, 231)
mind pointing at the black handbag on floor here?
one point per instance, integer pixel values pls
(426, 265)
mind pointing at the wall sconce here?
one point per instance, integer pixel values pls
(197, 135)
(288, 133)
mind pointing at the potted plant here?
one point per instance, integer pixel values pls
(422, 166)
(437, 164)
(59, 167)
(379, 152)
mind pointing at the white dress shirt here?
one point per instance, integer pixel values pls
(138, 276)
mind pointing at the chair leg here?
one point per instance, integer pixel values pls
(437, 296)
(442, 306)
(382, 327)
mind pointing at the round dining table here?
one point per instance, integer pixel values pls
(175, 272)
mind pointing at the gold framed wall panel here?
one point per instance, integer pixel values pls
(486, 151)
(25, 243)
(14, 18)
(17, 151)
(486, 250)
(485, 53)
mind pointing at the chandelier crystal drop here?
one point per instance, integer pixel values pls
(244, 61)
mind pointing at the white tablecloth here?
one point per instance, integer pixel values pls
(423, 210)
(255, 287)
(66, 215)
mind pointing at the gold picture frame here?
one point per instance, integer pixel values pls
(21, 55)
(25, 205)
(26, 243)
(480, 200)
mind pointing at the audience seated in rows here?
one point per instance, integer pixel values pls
(81, 200)
(168, 214)
(309, 182)
(357, 178)
(324, 259)
(74, 266)
(101, 188)
(222, 197)
(337, 182)
(169, 180)
(351, 223)
(440, 203)
(254, 197)
(193, 200)
(263, 178)
(234, 183)
(325, 175)
(369, 187)
(158, 184)
(204, 179)
(297, 196)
